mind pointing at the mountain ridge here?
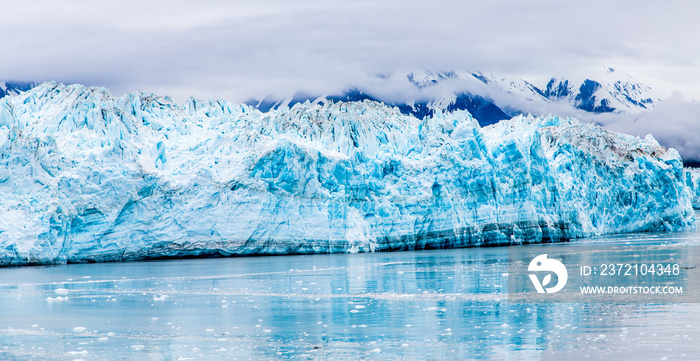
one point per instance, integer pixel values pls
(491, 98)
(15, 87)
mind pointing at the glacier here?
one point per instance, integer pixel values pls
(87, 177)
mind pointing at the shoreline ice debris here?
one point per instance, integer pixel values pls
(86, 177)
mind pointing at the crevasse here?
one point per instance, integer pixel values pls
(86, 177)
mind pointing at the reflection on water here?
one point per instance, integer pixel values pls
(449, 304)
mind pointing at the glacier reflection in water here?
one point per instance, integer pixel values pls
(448, 304)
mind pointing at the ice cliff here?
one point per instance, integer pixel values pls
(87, 177)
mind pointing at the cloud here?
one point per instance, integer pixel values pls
(238, 49)
(674, 122)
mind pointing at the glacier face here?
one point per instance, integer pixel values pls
(86, 177)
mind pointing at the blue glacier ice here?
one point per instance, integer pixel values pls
(693, 180)
(88, 177)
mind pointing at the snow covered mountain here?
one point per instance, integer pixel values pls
(491, 98)
(14, 88)
(87, 177)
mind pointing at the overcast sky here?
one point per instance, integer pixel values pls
(239, 49)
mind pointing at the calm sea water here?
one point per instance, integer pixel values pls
(449, 304)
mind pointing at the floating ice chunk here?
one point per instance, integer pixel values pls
(160, 297)
(78, 353)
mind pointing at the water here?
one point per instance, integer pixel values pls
(448, 304)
